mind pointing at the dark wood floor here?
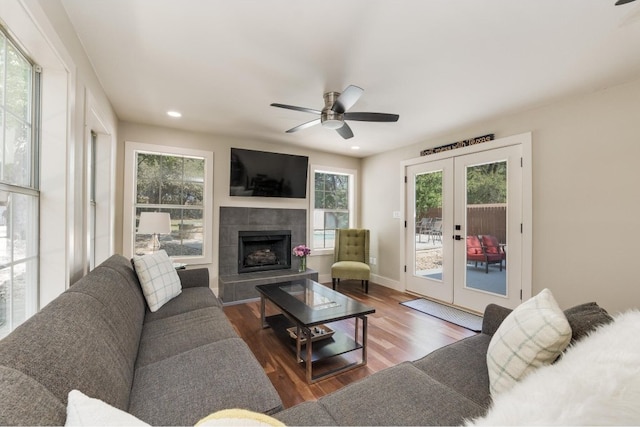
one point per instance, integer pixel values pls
(396, 334)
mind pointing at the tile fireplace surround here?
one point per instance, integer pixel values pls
(234, 287)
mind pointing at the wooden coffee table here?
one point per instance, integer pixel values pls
(306, 308)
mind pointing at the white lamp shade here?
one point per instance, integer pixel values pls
(154, 223)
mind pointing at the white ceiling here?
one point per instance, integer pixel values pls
(439, 64)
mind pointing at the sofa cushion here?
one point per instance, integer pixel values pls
(532, 335)
(584, 318)
(310, 413)
(173, 335)
(69, 345)
(402, 394)
(461, 366)
(122, 304)
(190, 299)
(194, 277)
(24, 401)
(193, 384)
(158, 278)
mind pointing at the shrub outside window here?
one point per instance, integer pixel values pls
(333, 205)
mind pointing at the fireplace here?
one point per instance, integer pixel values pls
(264, 250)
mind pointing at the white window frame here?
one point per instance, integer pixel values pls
(353, 175)
(128, 218)
(18, 309)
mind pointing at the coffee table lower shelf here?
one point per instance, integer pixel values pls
(324, 349)
(339, 343)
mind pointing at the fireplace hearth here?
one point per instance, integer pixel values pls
(264, 250)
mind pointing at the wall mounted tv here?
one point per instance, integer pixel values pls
(264, 174)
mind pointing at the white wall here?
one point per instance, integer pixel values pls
(221, 146)
(586, 196)
(69, 85)
(585, 174)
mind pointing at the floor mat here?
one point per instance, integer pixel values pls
(469, 321)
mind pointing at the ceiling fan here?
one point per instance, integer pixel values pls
(621, 2)
(334, 113)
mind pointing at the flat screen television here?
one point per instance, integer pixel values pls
(264, 174)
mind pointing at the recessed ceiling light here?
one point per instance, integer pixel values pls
(174, 114)
(355, 147)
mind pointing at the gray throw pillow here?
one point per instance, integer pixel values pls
(584, 318)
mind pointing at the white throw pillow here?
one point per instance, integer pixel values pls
(83, 410)
(532, 335)
(596, 382)
(158, 277)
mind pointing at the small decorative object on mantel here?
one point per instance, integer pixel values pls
(301, 251)
(459, 144)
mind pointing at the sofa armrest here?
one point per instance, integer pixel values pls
(194, 278)
(493, 316)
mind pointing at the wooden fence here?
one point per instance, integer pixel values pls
(481, 219)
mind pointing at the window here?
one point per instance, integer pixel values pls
(175, 181)
(19, 197)
(333, 205)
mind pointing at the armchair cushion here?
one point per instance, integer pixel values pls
(350, 270)
(352, 245)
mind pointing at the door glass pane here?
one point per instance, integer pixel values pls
(486, 225)
(428, 236)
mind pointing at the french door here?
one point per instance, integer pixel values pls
(463, 236)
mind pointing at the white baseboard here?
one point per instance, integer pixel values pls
(378, 280)
(389, 283)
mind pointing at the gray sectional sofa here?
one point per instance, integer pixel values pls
(185, 361)
(170, 367)
(446, 387)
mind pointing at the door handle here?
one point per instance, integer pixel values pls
(457, 237)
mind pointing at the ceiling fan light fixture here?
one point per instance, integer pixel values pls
(331, 120)
(332, 124)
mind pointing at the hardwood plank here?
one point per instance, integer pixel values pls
(396, 334)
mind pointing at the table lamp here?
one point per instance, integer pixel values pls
(154, 223)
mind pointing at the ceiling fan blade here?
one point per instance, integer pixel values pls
(621, 2)
(304, 126)
(347, 98)
(372, 117)
(293, 107)
(345, 131)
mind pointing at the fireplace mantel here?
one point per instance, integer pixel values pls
(234, 287)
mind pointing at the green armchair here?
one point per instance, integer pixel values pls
(351, 257)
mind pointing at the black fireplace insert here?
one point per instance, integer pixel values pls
(264, 250)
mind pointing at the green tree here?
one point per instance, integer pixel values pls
(169, 180)
(332, 191)
(487, 183)
(428, 192)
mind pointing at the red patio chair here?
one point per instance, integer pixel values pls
(492, 246)
(476, 252)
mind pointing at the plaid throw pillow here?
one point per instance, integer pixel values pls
(533, 335)
(158, 278)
